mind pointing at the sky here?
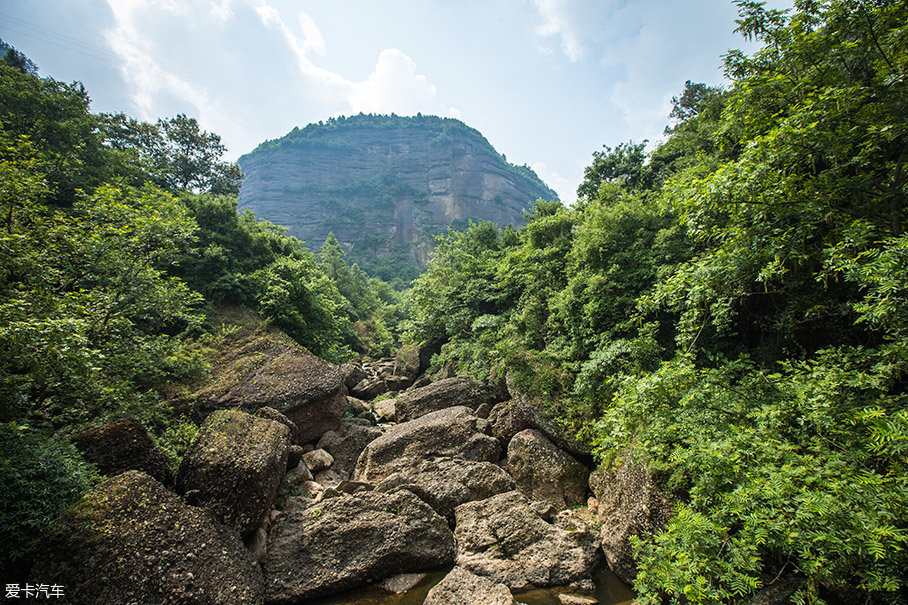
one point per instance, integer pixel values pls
(547, 82)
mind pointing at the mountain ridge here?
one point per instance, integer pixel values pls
(385, 185)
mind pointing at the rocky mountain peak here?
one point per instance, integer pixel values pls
(385, 186)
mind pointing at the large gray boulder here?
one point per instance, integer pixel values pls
(504, 539)
(412, 360)
(461, 587)
(545, 472)
(132, 541)
(273, 414)
(447, 483)
(264, 368)
(509, 418)
(630, 504)
(450, 433)
(369, 388)
(234, 467)
(348, 541)
(347, 442)
(352, 373)
(440, 395)
(123, 445)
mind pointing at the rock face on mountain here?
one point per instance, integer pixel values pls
(384, 185)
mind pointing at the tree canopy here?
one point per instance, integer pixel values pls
(729, 309)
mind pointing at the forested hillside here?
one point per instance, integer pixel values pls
(728, 310)
(121, 245)
(718, 330)
(385, 186)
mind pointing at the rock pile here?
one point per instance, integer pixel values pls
(327, 504)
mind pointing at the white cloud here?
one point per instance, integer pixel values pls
(394, 86)
(314, 40)
(222, 10)
(563, 186)
(558, 22)
(140, 69)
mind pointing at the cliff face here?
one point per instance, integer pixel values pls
(385, 185)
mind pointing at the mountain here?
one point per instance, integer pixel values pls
(385, 185)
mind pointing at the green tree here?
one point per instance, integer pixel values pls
(88, 310)
(66, 139)
(175, 153)
(625, 164)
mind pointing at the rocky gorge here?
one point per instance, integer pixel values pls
(294, 490)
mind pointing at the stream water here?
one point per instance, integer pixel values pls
(609, 591)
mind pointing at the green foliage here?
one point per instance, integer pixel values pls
(67, 144)
(731, 309)
(87, 311)
(793, 470)
(301, 300)
(13, 57)
(174, 153)
(459, 285)
(39, 477)
(175, 439)
(624, 165)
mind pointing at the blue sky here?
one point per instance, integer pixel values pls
(548, 82)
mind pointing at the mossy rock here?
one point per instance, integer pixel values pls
(132, 541)
(258, 366)
(234, 467)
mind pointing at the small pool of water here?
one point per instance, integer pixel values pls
(609, 591)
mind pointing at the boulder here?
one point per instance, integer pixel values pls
(328, 478)
(503, 539)
(397, 383)
(132, 541)
(348, 541)
(403, 582)
(572, 599)
(383, 368)
(369, 388)
(273, 414)
(630, 504)
(264, 368)
(318, 460)
(411, 361)
(297, 476)
(352, 373)
(422, 381)
(346, 443)
(386, 409)
(461, 587)
(507, 419)
(234, 467)
(357, 407)
(123, 445)
(294, 455)
(452, 433)
(447, 483)
(544, 472)
(440, 395)
(510, 417)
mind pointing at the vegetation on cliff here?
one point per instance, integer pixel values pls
(732, 308)
(385, 185)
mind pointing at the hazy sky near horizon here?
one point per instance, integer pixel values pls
(548, 82)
